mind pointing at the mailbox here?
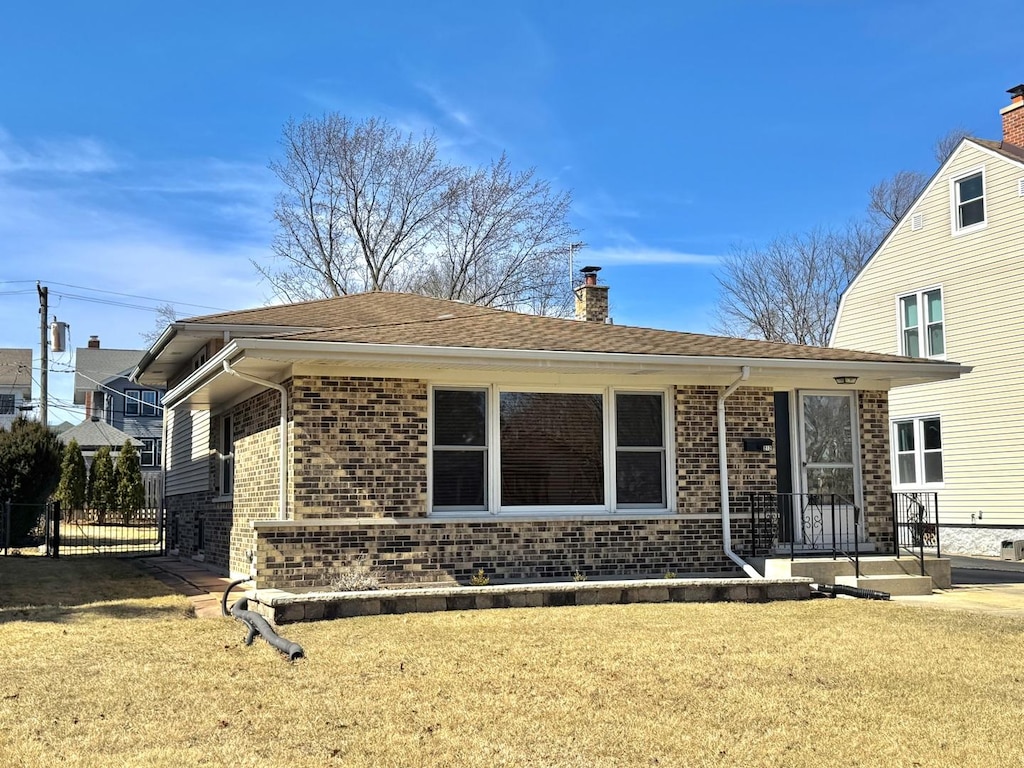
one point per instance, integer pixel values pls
(759, 444)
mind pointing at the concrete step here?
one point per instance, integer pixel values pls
(825, 570)
(895, 585)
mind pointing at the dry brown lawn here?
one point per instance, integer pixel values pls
(103, 667)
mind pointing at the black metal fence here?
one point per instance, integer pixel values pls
(58, 533)
(915, 523)
(804, 522)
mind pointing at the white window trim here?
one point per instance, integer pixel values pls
(954, 204)
(493, 463)
(919, 484)
(922, 323)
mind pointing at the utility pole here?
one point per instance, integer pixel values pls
(44, 309)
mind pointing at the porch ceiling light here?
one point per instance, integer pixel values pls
(845, 379)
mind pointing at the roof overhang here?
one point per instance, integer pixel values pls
(273, 359)
(181, 341)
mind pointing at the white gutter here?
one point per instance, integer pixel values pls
(723, 472)
(282, 513)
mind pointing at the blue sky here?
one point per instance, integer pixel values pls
(135, 137)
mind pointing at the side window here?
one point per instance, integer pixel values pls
(460, 449)
(226, 456)
(969, 201)
(132, 402)
(922, 325)
(918, 447)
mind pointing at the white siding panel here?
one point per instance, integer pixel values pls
(982, 280)
(188, 452)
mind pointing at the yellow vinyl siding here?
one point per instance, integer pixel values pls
(981, 274)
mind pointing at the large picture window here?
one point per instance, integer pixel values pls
(520, 451)
(918, 448)
(922, 330)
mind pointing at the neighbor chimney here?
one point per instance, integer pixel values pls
(591, 298)
(94, 342)
(1013, 117)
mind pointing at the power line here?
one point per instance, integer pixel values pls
(114, 293)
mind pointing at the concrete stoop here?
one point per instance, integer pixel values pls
(897, 585)
(823, 570)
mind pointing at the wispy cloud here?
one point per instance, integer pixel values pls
(53, 156)
(636, 255)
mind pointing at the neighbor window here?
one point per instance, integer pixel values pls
(6, 404)
(969, 193)
(226, 456)
(504, 450)
(140, 402)
(918, 448)
(922, 332)
(149, 454)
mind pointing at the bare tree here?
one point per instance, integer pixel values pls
(789, 290)
(889, 199)
(500, 241)
(945, 144)
(359, 204)
(365, 208)
(165, 315)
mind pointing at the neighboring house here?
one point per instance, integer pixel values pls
(93, 435)
(109, 396)
(15, 384)
(437, 438)
(947, 283)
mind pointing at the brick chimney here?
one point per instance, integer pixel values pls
(94, 342)
(591, 298)
(1013, 117)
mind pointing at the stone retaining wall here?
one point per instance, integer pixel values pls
(283, 607)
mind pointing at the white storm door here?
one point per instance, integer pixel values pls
(830, 470)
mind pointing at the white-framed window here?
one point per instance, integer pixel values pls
(140, 402)
(226, 456)
(505, 449)
(922, 328)
(6, 405)
(969, 201)
(917, 446)
(149, 454)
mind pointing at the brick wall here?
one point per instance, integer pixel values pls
(304, 554)
(360, 447)
(256, 427)
(749, 412)
(876, 477)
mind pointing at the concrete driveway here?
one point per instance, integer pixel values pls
(980, 584)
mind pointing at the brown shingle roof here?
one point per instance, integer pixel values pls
(1011, 151)
(16, 368)
(408, 319)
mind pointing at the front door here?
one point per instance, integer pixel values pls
(830, 472)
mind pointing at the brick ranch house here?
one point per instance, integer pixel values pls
(437, 438)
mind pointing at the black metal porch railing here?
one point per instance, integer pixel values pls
(915, 523)
(821, 523)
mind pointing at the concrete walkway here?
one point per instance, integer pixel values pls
(980, 585)
(202, 586)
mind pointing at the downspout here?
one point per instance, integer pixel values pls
(282, 513)
(723, 473)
